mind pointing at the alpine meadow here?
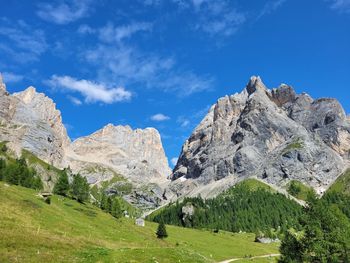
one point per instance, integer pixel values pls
(149, 131)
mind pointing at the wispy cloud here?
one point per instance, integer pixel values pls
(75, 100)
(128, 65)
(183, 121)
(9, 77)
(342, 6)
(91, 91)
(20, 42)
(63, 13)
(160, 117)
(174, 160)
(217, 18)
(270, 7)
(111, 33)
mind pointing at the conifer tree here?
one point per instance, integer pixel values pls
(161, 231)
(62, 185)
(80, 188)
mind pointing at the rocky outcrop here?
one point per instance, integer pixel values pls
(29, 120)
(136, 154)
(274, 135)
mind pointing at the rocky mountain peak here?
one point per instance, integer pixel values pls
(255, 84)
(274, 135)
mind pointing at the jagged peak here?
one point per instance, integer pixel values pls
(2, 84)
(255, 83)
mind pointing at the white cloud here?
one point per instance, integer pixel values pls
(75, 100)
(214, 17)
(128, 65)
(184, 122)
(219, 18)
(21, 42)
(342, 6)
(9, 77)
(91, 91)
(111, 33)
(270, 7)
(86, 29)
(174, 161)
(63, 13)
(160, 117)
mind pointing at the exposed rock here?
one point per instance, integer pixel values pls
(29, 120)
(136, 154)
(274, 135)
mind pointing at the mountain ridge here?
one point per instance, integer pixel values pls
(272, 134)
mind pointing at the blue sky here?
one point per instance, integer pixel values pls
(161, 64)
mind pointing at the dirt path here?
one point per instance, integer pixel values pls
(236, 259)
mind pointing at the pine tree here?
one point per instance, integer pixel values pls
(62, 185)
(116, 210)
(161, 231)
(80, 188)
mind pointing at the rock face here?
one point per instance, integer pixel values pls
(136, 154)
(29, 120)
(273, 135)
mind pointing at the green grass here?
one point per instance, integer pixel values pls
(32, 159)
(295, 145)
(252, 184)
(304, 190)
(67, 231)
(342, 184)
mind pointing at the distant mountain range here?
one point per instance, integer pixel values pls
(274, 135)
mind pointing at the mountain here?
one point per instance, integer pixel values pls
(30, 121)
(274, 135)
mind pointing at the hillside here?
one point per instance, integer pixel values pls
(67, 231)
(342, 184)
(250, 206)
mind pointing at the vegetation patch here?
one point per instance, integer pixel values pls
(86, 212)
(295, 145)
(60, 233)
(247, 207)
(299, 190)
(30, 204)
(342, 184)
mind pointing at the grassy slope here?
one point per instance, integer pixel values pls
(66, 231)
(304, 190)
(342, 184)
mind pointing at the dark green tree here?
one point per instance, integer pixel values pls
(325, 236)
(161, 231)
(80, 188)
(294, 189)
(62, 185)
(116, 210)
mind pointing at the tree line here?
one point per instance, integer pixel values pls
(324, 235)
(239, 209)
(17, 172)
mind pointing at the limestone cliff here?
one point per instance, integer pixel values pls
(136, 154)
(29, 120)
(274, 135)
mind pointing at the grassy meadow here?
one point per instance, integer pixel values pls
(67, 231)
